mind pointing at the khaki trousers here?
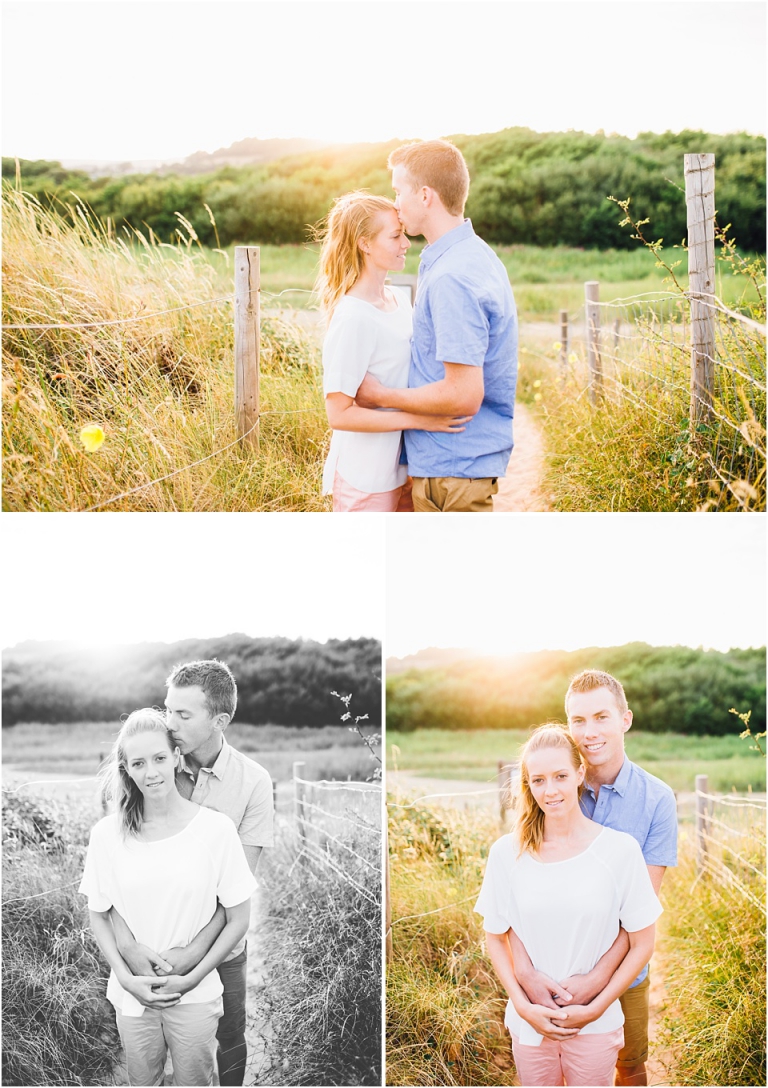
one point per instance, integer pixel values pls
(441, 494)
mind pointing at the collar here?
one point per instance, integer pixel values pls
(219, 767)
(430, 253)
(620, 782)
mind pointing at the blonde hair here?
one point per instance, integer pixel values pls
(529, 821)
(350, 220)
(117, 784)
(591, 680)
(439, 165)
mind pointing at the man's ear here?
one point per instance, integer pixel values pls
(222, 721)
(627, 719)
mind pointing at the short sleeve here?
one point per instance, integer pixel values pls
(348, 348)
(461, 325)
(234, 881)
(489, 901)
(256, 826)
(660, 846)
(97, 873)
(638, 904)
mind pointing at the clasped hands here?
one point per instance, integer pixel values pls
(558, 1010)
(158, 978)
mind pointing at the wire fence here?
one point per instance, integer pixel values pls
(639, 352)
(730, 843)
(339, 827)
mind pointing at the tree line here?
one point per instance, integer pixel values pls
(669, 689)
(280, 681)
(527, 187)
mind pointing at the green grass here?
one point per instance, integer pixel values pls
(472, 755)
(76, 749)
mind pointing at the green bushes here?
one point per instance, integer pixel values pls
(528, 187)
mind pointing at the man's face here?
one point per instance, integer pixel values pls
(598, 726)
(189, 722)
(408, 200)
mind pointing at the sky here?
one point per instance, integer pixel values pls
(111, 578)
(569, 581)
(144, 80)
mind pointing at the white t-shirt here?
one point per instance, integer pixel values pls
(363, 339)
(166, 891)
(567, 913)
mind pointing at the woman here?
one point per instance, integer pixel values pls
(369, 329)
(564, 885)
(163, 862)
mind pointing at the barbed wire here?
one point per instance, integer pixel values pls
(430, 796)
(718, 869)
(123, 320)
(50, 781)
(729, 801)
(317, 854)
(437, 910)
(329, 784)
(339, 842)
(340, 816)
(39, 895)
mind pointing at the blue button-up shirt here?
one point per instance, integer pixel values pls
(464, 313)
(644, 807)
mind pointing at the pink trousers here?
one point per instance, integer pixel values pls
(578, 1060)
(348, 500)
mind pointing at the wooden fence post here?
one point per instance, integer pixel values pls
(563, 344)
(592, 299)
(702, 820)
(247, 341)
(298, 802)
(700, 200)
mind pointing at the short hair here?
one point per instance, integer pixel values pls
(216, 680)
(439, 165)
(352, 218)
(591, 680)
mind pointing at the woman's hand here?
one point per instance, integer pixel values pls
(548, 1022)
(580, 1015)
(151, 991)
(180, 984)
(446, 424)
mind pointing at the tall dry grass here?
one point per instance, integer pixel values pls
(58, 1027)
(320, 943)
(160, 388)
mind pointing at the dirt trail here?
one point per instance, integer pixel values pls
(521, 488)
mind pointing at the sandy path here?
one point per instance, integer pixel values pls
(521, 488)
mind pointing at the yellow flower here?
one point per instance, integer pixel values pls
(556, 346)
(536, 384)
(537, 396)
(573, 357)
(92, 437)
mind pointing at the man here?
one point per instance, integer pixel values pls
(621, 795)
(464, 346)
(201, 702)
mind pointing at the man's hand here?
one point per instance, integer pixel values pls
(143, 960)
(370, 393)
(540, 989)
(178, 961)
(581, 988)
(151, 991)
(551, 1023)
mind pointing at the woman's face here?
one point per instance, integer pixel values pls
(151, 762)
(387, 246)
(553, 780)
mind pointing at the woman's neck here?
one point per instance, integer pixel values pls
(159, 810)
(371, 287)
(566, 827)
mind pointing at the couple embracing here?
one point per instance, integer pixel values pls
(570, 897)
(169, 879)
(420, 401)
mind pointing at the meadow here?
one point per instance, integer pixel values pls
(445, 1007)
(149, 363)
(472, 755)
(314, 1000)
